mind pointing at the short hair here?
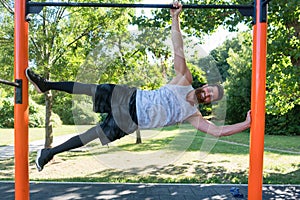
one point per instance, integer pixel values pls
(220, 90)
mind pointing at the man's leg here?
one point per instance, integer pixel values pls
(42, 85)
(45, 155)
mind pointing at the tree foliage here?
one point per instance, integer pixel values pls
(283, 88)
(36, 114)
(238, 88)
(6, 49)
(61, 38)
(238, 82)
(221, 53)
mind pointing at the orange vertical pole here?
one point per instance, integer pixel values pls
(21, 103)
(258, 93)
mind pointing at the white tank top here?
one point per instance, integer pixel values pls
(163, 107)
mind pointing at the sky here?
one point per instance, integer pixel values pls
(211, 41)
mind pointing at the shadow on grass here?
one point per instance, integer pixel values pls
(185, 142)
(7, 168)
(193, 172)
(202, 173)
(197, 171)
(292, 177)
(153, 145)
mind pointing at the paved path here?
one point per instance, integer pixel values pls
(8, 151)
(65, 191)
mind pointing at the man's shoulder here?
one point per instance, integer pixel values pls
(180, 79)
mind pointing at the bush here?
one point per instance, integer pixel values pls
(288, 124)
(83, 115)
(62, 105)
(7, 113)
(75, 109)
(36, 114)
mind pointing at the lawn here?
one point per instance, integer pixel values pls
(175, 154)
(7, 135)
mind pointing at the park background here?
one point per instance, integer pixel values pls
(77, 43)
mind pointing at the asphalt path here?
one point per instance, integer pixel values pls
(64, 191)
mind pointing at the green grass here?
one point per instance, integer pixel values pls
(7, 135)
(290, 143)
(226, 159)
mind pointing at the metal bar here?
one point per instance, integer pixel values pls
(258, 97)
(125, 5)
(21, 111)
(36, 7)
(9, 83)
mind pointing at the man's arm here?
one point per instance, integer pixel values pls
(183, 74)
(206, 126)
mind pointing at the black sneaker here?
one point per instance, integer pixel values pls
(38, 82)
(42, 158)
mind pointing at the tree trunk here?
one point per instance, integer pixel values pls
(138, 137)
(48, 123)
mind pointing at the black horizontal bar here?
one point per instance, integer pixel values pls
(9, 83)
(125, 5)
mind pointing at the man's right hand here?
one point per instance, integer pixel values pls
(175, 12)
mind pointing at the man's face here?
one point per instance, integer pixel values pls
(206, 94)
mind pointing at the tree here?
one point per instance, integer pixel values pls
(221, 53)
(238, 88)
(283, 61)
(283, 88)
(61, 38)
(238, 83)
(6, 47)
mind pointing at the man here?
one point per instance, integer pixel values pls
(129, 108)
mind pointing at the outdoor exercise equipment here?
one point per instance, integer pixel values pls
(36, 7)
(258, 10)
(5, 82)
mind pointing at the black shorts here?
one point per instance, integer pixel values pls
(119, 103)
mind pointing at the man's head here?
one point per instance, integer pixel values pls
(209, 93)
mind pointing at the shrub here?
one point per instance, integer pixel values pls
(287, 124)
(83, 115)
(63, 107)
(7, 113)
(36, 114)
(75, 109)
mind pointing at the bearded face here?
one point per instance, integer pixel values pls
(200, 95)
(208, 94)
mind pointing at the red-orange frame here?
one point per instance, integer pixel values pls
(21, 109)
(258, 92)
